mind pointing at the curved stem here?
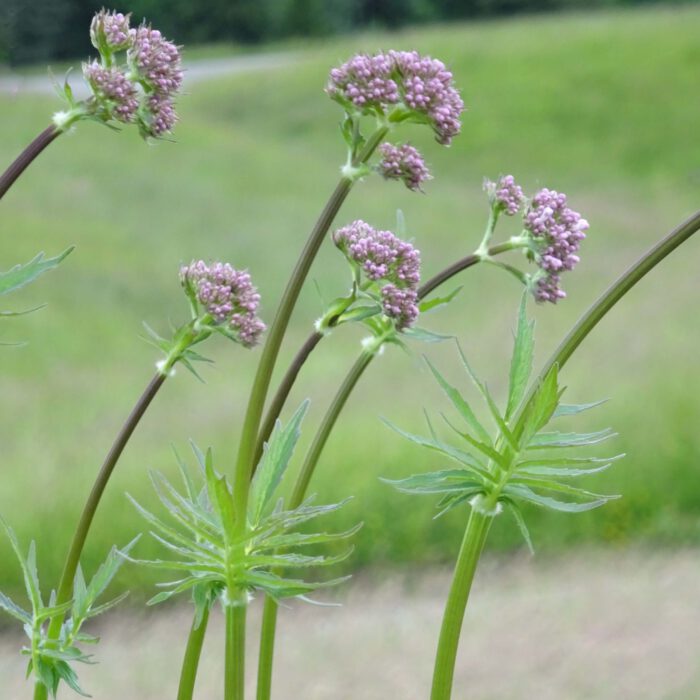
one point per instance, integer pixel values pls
(280, 397)
(615, 292)
(193, 652)
(472, 545)
(261, 383)
(234, 679)
(26, 157)
(65, 586)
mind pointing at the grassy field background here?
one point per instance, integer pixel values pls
(603, 106)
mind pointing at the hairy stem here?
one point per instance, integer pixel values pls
(193, 652)
(234, 679)
(26, 157)
(472, 545)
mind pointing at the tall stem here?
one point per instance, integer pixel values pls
(261, 383)
(472, 545)
(24, 159)
(269, 621)
(234, 678)
(65, 586)
(193, 652)
(278, 400)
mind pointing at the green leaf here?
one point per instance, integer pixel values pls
(450, 501)
(520, 522)
(424, 335)
(302, 539)
(14, 610)
(523, 492)
(219, 495)
(275, 459)
(562, 471)
(555, 439)
(106, 572)
(444, 481)
(469, 461)
(29, 572)
(540, 408)
(521, 362)
(567, 462)
(461, 405)
(435, 302)
(20, 275)
(572, 409)
(12, 314)
(67, 674)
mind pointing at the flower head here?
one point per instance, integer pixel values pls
(403, 163)
(427, 87)
(383, 257)
(420, 86)
(227, 296)
(113, 91)
(156, 60)
(557, 232)
(505, 194)
(110, 30)
(365, 82)
(161, 116)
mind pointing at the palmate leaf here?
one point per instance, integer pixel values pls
(217, 563)
(521, 462)
(21, 275)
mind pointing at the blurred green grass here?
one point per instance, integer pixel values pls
(603, 106)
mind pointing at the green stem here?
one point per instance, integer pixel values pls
(22, 162)
(261, 383)
(469, 553)
(193, 652)
(615, 292)
(269, 620)
(65, 586)
(234, 679)
(267, 649)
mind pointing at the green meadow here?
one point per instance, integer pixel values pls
(602, 106)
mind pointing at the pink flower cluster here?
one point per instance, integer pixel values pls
(144, 88)
(113, 90)
(421, 85)
(557, 232)
(505, 194)
(227, 296)
(403, 163)
(382, 256)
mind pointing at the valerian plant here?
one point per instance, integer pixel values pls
(232, 531)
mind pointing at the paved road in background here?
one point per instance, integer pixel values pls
(195, 71)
